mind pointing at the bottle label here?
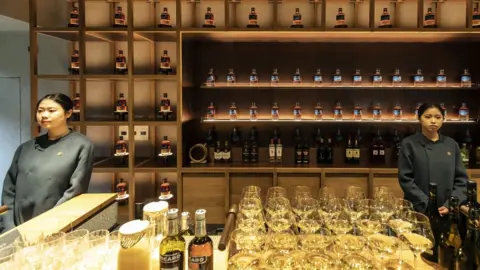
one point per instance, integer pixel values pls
(279, 151)
(397, 112)
(252, 19)
(357, 78)
(232, 112)
(430, 19)
(318, 78)
(226, 155)
(385, 19)
(377, 112)
(441, 78)
(463, 112)
(349, 153)
(271, 151)
(467, 78)
(274, 79)
(197, 260)
(397, 78)
(375, 152)
(165, 62)
(356, 153)
(165, 19)
(297, 79)
(476, 20)
(211, 78)
(274, 114)
(382, 152)
(170, 259)
(297, 112)
(377, 78)
(297, 19)
(165, 106)
(318, 112)
(201, 257)
(253, 78)
(121, 64)
(218, 155)
(253, 114)
(209, 19)
(119, 19)
(231, 78)
(337, 112)
(418, 78)
(340, 19)
(357, 112)
(337, 78)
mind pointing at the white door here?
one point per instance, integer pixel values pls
(9, 123)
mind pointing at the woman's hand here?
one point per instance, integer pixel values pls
(443, 211)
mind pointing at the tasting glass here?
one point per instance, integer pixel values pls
(351, 243)
(356, 209)
(52, 248)
(251, 207)
(77, 243)
(276, 192)
(402, 206)
(420, 238)
(379, 192)
(248, 224)
(285, 241)
(250, 191)
(316, 242)
(354, 193)
(279, 260)
(277, 205)
(383, 245)
(326, 193)
(8, 258)
(29, 251)
(358, 262)
(385, 209)
(369, 225)
(113, 249)
(280, 222)
(309, 224)
(318, 261)
(330, 209)
(301, 192)
(340, 224)
(245, 261)
(305, 206)
(246, 242)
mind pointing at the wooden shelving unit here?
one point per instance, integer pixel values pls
(215, 187)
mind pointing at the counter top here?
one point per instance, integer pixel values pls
(65, 216)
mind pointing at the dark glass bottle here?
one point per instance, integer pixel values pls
(254, 152)
(306, 152)
(217, 154)
(435, 220)
(200, 249)
(470, 203)
(297, 138)
(451, 240)
(349, 151)
(211, 137)
(246, 153)
(396, 145)
(321, 155)
(172, 247)
(329, 151)
(235, 137)
(185, 224)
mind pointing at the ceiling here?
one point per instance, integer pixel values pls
(11, 25)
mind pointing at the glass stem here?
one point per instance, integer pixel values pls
(414, 261)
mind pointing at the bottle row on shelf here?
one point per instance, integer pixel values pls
(121, 63)
(121, 109)
(397, 113)
(324, 148)
(121, 148)
(165, 193)
(339, 80)
(430, 20)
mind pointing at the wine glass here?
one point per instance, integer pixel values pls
(330, 209)
(278, 205)
(385, 209)
(251, 190)
(250, 207)
(384, 245)
(326, 193)
(305, 206)
(402, 206)
(354, 193)
(280, 222)
(355, 209)
(339, 225)
(275, 192)
(420, 238)
(7, 258)
(370, 225)
(316, 242)
(284, 241)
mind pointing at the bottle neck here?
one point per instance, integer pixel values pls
(472, 196)
(184, 225)
(453, 218)
(200, 228)
(173, 227)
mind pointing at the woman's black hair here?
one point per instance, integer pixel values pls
(425, 106)
(63, 100)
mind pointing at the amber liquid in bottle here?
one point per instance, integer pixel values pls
(121, 146)
(200, 249)
(165, 188)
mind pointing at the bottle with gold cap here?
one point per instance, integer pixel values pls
(200, 248)
(172, 247)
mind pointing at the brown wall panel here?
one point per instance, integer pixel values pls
(205, 191)
(240, 180)
(390, 181)
(290, 181)
(340, 182)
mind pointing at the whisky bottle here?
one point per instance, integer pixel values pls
(165, 104)
(418, 78)
(272, 152)
(357, 78)
(75, 63)
(305, 152)
(254, 152)
(338, 112)
(329, 152)
(209, 19)
(357, 112)
(451, 240)
(416, 109)
(211, 111)
(235, 137)
(463, 112)
(356, 153)
(385, 21)
(475, 18)
(165, 191)
(185, 224)
(172, 247)
(231, 78)
(441, 78)
(165, 19)
(444, 111)
(121, 148)
(254, 78)
(76, 108)
(210, 78)
(227, 152)
(317, 78)
(297, 19)
(275, 111)
(252, 19)
(121, 63)
(274, 78)
(377, 112)
(253, 112)
(337, 77)
(217, 154)
(297, 111)
(279, 151)
(246, 153)
(297, 78)
(119, 18)
(377, 78)
(430, 21)
(165, 66)
(466, 79)
(340, 19)
(349, 151)
(200, 248)
(73, 22)
(318, 111)
(232, 112)
(165, 147)
(397, 112)
(435, 221)
(121, 104)
(397, 78)
(121, 189)
(465, 155)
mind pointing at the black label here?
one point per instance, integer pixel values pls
(252, 17)
(165, 16)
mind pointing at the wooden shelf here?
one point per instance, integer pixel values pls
(154, 123)
(347, 85)
(58, 77)
(155, 165)
(330, 121)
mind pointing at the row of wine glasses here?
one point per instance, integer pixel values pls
(78, 249)
(312, 233)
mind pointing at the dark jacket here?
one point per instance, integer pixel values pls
(422, 161)
(44, 174)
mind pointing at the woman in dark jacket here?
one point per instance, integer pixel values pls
(431, 157)
(50, 169)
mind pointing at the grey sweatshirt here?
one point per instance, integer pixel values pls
(45, 173)
(422, 161)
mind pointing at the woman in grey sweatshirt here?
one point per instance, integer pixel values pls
(50, 169)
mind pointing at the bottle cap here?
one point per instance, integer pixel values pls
(471, 184)
(133, 227)
(200, 214)
(185, 215)
(172, 213)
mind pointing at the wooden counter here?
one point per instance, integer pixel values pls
(78, 212)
